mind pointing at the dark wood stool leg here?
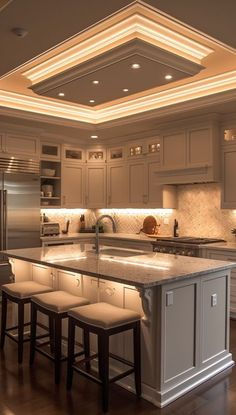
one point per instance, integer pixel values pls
(51, 332)
(137, 357)
(20, 331)
(103, 355)
(33, 332)
(87, 348)
(57, 345)
(71, 351)
(3, 318)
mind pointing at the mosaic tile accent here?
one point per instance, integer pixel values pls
(199, 214)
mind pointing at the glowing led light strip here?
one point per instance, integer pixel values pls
(219, 83)
(133, 27)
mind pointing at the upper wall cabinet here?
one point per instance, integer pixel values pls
(72, 185)
(50, 151)
(228, 195)
(117, 185)
(73, 154)
(190, 155)
(96, 155)
(95, 186)
(116, 154)
(20, 145)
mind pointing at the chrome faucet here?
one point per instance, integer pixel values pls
(97, 230)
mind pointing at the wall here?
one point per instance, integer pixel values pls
(199, 214)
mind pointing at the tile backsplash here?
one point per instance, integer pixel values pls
(199, 214)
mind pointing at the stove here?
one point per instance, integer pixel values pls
(186, 245)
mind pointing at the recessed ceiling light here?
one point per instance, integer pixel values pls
(95, 82)
(61, 94)
(94, 136)
(125, 90)
(92, 101)
(168, 77)
(135, 66)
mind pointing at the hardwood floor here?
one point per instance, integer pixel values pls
(25, 391)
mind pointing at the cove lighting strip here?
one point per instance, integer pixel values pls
(202, 88)
(133, 27)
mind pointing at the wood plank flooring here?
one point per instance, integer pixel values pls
(32, 392)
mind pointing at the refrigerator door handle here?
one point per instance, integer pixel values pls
(5, 236)
(1, 220)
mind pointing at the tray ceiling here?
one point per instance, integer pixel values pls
(114, 76)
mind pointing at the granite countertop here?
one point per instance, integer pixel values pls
(141, 270)
(228, 246)
(129, 236)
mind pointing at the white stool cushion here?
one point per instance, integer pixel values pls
(25, 289)
(59, 301)
(104, 315)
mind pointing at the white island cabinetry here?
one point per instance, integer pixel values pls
(181, 301)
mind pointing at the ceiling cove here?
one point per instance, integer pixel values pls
(134, 61)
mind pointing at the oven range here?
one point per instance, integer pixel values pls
(190, 246)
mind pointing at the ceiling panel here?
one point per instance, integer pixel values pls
(50, 22)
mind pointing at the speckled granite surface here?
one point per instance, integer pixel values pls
(142, 270)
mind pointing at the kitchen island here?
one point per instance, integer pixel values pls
(184, 303)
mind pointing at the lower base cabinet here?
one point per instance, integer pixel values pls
(225, 255)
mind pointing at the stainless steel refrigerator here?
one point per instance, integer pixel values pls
(19, 203)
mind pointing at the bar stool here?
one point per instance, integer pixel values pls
(104, 320)
(19, 293)
(55, 305)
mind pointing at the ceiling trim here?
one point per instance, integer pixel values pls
(136, 25)
(208, 86)
(128, 49)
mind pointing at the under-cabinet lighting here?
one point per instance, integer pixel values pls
(135, 212)
(92, 101)
(63, 212)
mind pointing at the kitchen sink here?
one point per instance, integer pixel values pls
(119, 252)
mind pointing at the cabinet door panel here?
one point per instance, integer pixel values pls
(15, 144)
(72, 185)
(137, 184)
(117, 185)
(96, 186)
(229, 170)
(154, 187)
(174, 151)
(199, 147)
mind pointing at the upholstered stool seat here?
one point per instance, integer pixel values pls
(104, 320)
(59, 301)
(25, 289)
(104, 315)
(19, 293)
(56, 305)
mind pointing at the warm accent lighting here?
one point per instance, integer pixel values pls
(95, 82)
(61, 94)
(63, 212)
(151, 29)
(168, 77)
(135, 66)
(183, 93)
(94, 136)
(125, 90)
(92, 101)
(135, 212)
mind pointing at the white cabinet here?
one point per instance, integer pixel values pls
(228, 196)
(15, 144)
(117, 185)
(95, 186)
(73, 154)
(137, 181)
(96, 155)
(50, 151)
(2, 136)
(72, 185)
(226, 255)
(190, 154)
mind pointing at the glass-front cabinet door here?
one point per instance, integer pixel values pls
(73, 154)
(50, 151)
